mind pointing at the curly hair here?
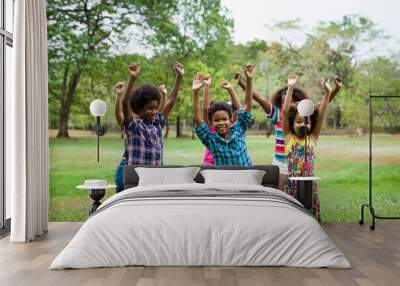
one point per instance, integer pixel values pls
(142, 95)
(292, 116)
(217, 106)
(298, 95)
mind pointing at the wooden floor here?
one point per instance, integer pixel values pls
(374, 255)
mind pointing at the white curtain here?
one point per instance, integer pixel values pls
(27, 157)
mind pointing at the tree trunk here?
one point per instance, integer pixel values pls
(178, 127)
(65, 106)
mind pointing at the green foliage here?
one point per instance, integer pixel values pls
(82, 33)
(198, 34)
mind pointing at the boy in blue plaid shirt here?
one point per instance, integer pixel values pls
(143, 134)
(227, 145)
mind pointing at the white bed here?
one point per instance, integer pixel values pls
(224, 225)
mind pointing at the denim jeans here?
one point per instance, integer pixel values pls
(119, 176)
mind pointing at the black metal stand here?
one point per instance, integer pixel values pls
(98, 135)
(370, 205)
(304, 188)
(96, 195)
(304, 193)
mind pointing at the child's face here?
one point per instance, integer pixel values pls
(221, 122)
(298, 125)
(149, 111)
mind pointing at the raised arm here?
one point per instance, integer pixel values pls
(196, 86)
(207, 98)
(179, 70)
(248, 70)
(119, 116)
(263, 102)
(322, 108)
(292, 79)
(232, 94)
(134, 70)
(338, 86)
(163, 100)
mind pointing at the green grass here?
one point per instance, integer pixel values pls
(342, 165)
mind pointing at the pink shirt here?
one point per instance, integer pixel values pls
(208, 158)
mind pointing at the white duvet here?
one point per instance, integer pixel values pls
(188, 231)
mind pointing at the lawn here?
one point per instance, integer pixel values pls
(342, 165)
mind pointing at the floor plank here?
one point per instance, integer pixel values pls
(374, 255)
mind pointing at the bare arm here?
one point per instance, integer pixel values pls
(292, 79)
(232, 94)
(163, 99)
(119, 116)
(196, 86)
(249, 88)
(235, 100)
(207, 99)
(263, 102)
(322, 109)
(134, 70)
(179, 69)
(338, 86)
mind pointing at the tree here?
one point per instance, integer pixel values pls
(199, 36)
(80, 35)
(336, 47)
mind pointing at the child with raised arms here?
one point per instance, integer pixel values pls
(228, 144)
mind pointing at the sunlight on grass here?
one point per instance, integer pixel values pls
(342, 165)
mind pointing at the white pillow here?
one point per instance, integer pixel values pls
(166, 176)
(248, 177)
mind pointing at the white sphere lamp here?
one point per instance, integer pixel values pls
(98, 107)
(305, 107)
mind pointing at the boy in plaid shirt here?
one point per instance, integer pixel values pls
(143, 135)
(227, 145)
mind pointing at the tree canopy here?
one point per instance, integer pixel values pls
(83, 64)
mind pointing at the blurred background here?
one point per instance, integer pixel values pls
(91, 43)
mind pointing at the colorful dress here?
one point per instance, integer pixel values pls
(295, 157)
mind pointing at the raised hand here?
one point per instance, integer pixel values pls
(248, 70)
(197, 82)
(207, 81)
(325, 85)
(179, 69)
(338, 81)
(226, 85)
(236, 77)
(292, 79)
(163, 89)
(119, 88)
(134, 69)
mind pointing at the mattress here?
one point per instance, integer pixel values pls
(201, 225)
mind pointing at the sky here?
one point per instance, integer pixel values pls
(251, 16)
